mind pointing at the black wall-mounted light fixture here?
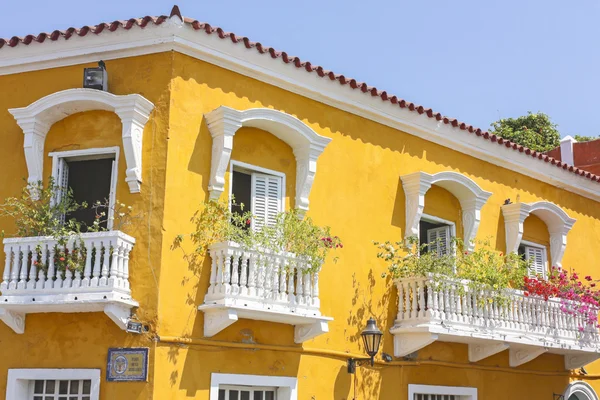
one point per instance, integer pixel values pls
(372, 339)
(96, 78)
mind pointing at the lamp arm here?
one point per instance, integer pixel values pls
(357, 362)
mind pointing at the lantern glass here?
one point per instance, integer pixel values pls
(371, 337)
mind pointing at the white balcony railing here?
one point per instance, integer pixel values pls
(262, 286)
(448, 312)
(101, 285)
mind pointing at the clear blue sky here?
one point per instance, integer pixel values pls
(475, 60)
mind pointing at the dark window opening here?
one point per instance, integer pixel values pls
(90, 182)
(241, 189)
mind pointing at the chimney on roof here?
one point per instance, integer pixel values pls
(566, 150)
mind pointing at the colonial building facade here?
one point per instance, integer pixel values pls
(192, 113)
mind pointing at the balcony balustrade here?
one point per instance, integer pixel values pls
(33, 280)
(449, 311)
(262, 286)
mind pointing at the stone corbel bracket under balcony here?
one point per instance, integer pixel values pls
(524, 326)
(103, 285)
(262, 286)
(37, 118)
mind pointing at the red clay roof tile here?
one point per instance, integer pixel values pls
(208, 29)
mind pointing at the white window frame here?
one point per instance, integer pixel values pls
(286, 387)
(527, 243)
(18, 384)
(465, 393)
(92, 154)
(437, 220)
(249, 168)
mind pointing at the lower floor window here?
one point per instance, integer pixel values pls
(246, 393)
(429, 392)
(53, 384)
(61, 389)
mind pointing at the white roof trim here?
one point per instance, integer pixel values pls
(174, 35)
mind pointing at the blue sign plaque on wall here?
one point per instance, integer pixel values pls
(127, 365)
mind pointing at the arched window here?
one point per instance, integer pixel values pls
(580, 391)
(470, 196)
(306, 144)
(557, 222)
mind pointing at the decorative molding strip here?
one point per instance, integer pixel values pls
(307, 145)
(37, 118)
(468, 193)
(557, 220)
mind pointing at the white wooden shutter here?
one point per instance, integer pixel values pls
(62, 182)
(266, 200)
(537, 256)
(438, 240)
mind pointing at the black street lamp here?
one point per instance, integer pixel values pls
(372, 339)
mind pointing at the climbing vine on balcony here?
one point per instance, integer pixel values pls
(482, 269)
(215, 223)
(43, 210)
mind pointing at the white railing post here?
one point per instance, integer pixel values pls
(8, 254)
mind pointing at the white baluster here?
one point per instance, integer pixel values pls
(115, 264)
(415, 299)
(212, 288)
(400, 286)
(299, 286)
(290, 286)
(31, 282)
(307, 288)
(267, 277)
(422, 304)
(220, 257)
(41, 282)
(53, 280)
(126, 252)
(407, 308)
(8, 253)
(23, 261)
(253, 271)
(235, 271)
(14, 272)
(283, 279)
(244, 274)
(315, 287)
(87, 270)
(275, 278)
(110, 251)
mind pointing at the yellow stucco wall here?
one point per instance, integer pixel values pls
(81, 340)
(357, 191)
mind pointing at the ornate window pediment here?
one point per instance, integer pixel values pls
(468, 193)
(558, 222)
(37, 118)
(307, 145)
